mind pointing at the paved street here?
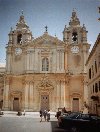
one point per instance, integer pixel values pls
(27, 124)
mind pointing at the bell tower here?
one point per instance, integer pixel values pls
(75, 37)
(75, 34)
(21, 34)
(18, 38)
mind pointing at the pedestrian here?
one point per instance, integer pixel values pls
(41, 115)
(64, 110)
(58, 114)
(45, 114)
(48, 115)
(24, 113)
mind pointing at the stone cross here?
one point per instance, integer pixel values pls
(46, 28)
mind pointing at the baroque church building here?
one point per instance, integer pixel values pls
(46, 73)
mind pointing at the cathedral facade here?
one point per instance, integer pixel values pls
(46, 73)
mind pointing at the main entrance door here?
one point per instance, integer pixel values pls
(16, 104)
(44, 102)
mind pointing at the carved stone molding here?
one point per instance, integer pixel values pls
(26, 80)
(45, 85)
(75, 94)
(8, 80)
(16, 93)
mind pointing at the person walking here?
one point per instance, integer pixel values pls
(41, 115)
(48, 115)
(45, 114)
(58, 114)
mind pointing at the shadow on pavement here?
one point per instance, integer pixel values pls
(55, 128)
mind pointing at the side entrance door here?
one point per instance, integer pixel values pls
(16, 104)
(75, 104)
(44, 102)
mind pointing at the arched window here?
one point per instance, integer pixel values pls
(19, 38)
(45, 64)
(74, 36)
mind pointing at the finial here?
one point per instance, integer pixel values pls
(74, 9)
(46, 29)
(11, 29)
(65, 26)
(84, 26)
(22, 12)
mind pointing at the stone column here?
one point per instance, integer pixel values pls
(8, 62)
(67, 96)
(54, 63)
(62, 60)
(26, 96)
(31, 60)
(36, 61)
(62, 94)
(65, 60)
(27, 61)
(39, 65)
(31, 97)
(51, 101)
(58, 95)
(50, 63)
(57, 60)
(6, 96)
(85, 96)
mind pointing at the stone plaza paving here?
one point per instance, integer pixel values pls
(10, 122)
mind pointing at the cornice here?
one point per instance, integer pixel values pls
(94, 48)
(47, 37)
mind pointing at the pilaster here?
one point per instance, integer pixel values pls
(27, 61)
(31, 96)
(58, 56)
(6, 95)
(58, 94)
(62, 94)
(26, 96)
(67, 94)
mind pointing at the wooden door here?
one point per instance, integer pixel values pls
(16, 104)
(75, 105)
(44, 102)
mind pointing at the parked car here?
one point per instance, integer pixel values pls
(78, 122)
(59, 113)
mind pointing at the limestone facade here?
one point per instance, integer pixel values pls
(93, 78)
(2, 71)
(46, 73)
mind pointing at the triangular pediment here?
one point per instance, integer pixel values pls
(47, 40)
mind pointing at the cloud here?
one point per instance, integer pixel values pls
(2, 64)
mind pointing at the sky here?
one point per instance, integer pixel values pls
(53, 13)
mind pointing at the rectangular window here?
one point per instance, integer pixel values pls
(95, 66)
(96, 87)
(99, 61)
(45, 64)
(90, 73)
(99, 85)
(93, 88)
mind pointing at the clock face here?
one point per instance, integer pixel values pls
(75, 49)
(18, 51)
